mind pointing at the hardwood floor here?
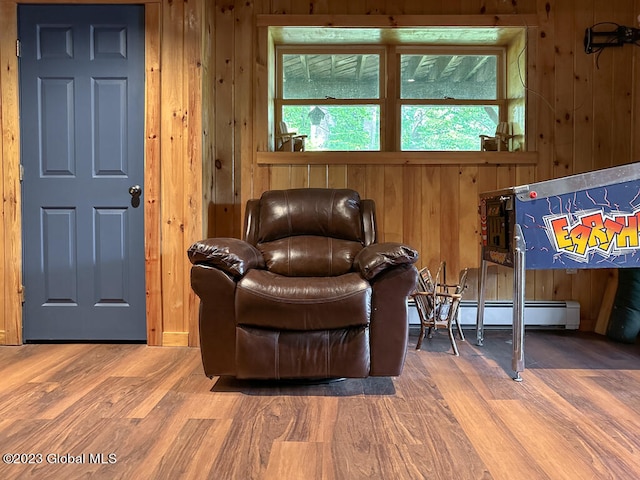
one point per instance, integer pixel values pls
(576, 415)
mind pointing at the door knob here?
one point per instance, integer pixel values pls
(135, 191)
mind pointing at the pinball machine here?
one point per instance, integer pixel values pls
(588, 220)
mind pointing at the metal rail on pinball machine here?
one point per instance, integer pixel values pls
(589, 220)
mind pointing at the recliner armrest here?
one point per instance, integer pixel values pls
(377, 258)
(231, 255)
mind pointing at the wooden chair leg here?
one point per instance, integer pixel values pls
(455, 317)
(459, 329)
(420, 337)
(452, 339)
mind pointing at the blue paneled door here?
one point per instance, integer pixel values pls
(82, 148)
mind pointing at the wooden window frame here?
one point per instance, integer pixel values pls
(389, 99)
(399, 30)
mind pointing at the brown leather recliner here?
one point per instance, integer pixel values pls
(307, 294)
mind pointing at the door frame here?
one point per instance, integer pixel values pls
(11, 253)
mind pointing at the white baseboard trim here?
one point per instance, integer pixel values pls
(561, 314)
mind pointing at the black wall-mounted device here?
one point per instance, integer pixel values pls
(594, 41)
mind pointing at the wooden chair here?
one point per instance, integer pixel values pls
(500, 141)
(289, 141)
(425, 299)
(437, 304)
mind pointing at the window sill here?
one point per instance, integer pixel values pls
(397, 158)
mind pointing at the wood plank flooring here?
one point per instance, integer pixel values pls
(152, 414)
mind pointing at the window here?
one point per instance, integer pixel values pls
(335, 97)
(449, 98)
(393, 90)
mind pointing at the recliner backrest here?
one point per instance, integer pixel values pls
(310, 231)
(310, 211)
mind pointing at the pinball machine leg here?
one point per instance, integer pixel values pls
(517, 362)
(481, 300)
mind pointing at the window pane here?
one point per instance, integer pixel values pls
(461, 77)
(352, 127)
(446, 127)
(331, 76)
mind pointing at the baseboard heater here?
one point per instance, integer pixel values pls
(552, 314)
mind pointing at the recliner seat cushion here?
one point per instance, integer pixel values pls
(268, 300)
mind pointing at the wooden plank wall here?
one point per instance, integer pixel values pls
(582, 115)
(206, 121)
(10, 246)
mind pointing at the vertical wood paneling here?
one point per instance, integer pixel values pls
(354, 6)
(583, 105)
(583, 92)
(225, 125)
(318, 176)
(603, 97)
(623, 14)
(506, 177)
(616, 139)
(282, 177)
(564, 114)
(173, 132)
(259, 178)
(604, 128)
(192, 190)
(152, 192)
(337, 176)
(393, 200)
(208, 119)
(10, 240)
(487, 182)
(412, 207)
(376, 7)
(469, 241)
(545, 85)
(564, 90)
(338, 7)
(432, 223)
(450, 220)
(355, 178)
(374, 187)
(545, 122)
(5, 231)
(530, 76)
(243, 78)
(299, 176)
(318, 6)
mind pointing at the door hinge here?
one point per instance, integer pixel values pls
(21, 172)
(18, 48)
(21, 293)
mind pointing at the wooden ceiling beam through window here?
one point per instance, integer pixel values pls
(412, 66)
(305, 67)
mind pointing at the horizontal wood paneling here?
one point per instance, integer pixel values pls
(397, 158)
